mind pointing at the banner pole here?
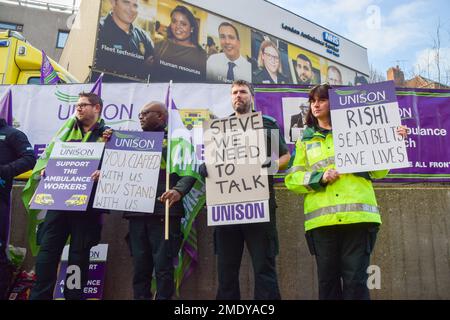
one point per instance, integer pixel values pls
(169, 112)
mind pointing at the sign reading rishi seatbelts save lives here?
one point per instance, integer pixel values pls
(67, 184)
(365, 121)
(236, 187)
(130, 172)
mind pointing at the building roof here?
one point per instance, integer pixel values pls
(422, 82)
(418, 81)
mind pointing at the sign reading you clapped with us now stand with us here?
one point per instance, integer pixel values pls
(365, 121)
(130, 172)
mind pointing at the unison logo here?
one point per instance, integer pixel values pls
(347, 97)
(64, 97)
(114, 114)
(130, 141)
(68, 146)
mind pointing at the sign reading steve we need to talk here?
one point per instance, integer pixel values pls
(130, 172)
(365, 119)
(236, 187)
(67, 182)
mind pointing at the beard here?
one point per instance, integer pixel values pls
(304, 81)
(243, 108)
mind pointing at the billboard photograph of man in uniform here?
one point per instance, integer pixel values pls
(334, 76)
(123, 48)
(303, 70)
(304, 65)
(339, 75)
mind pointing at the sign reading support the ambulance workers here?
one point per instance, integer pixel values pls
(67, 184)
(236, 187)
(130, 172)
(365, 119)
(96, 275)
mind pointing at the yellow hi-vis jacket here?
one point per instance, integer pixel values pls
(349, 199)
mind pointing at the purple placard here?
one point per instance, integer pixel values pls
(94, 287)
(363, 95)
(67, 182)
(59, 190)
(136, 141)
(96, 275)
(420, 110)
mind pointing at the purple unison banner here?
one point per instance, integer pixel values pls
(96, 276)
(67, 183)
(426, 112)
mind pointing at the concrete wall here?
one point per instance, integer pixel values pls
(40, 27)
(412, 250)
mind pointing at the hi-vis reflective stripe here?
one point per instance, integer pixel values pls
(312, 145)
(295, 169)
(306, 179)
(351, 207)
(323, 163)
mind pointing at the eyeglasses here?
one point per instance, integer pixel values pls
(270, 56)
(83, 105)
(144, 113)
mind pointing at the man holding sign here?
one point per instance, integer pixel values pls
(341, 212)
(84, 228)
(261, 238)
(146, 230)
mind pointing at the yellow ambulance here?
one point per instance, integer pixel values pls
(20, 62)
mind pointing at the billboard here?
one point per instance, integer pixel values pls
(163, 40)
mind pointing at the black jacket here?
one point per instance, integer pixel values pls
(95, 136)
(262, 76)
(16, 157)
(181, 184)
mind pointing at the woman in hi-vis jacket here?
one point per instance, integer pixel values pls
(341, 211)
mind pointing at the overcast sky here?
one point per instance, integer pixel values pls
(394, 32)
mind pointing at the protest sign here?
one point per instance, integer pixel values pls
(96, 275)
(234, 152)
(130, 172)
(365, 119)
(238, 213)
(66, 184)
